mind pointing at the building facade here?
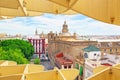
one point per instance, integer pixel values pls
(66, 43)
(4, 36)
(73, 48)
(39, 42)
(111, 47)
(39, 45)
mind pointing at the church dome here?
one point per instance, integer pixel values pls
(65, 31)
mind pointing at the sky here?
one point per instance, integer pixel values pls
(80, 24)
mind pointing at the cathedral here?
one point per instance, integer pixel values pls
(67, 43)
(65, 35)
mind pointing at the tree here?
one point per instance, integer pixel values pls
(26, 48)
(37, 61)
(14, 55)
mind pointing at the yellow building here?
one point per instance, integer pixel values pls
(111, 47)
(4, 36)
(9, 70)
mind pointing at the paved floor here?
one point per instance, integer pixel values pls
(47, 65)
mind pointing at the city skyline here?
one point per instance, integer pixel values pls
(80, 24)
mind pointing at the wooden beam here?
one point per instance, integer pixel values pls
(22, 7)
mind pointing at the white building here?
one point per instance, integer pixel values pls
(94, 59)
(92, 56)
(92, 52)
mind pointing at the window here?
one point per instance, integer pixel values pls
(85, 55)
(116, 49)
(94, 54)
(110, 50)
(69, 66)
(65, 67)
(104, 50)
(98, 55)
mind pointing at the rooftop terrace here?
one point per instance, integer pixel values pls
(9, 70)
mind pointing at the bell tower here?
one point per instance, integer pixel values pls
(65, 28)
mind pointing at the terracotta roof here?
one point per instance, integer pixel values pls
(62, 60)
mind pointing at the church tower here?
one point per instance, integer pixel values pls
(65, 28)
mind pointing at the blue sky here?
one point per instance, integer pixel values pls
(80, 24)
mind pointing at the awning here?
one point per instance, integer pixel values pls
(103, 10)
(81, 71)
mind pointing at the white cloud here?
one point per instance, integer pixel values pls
(14, 28)
(77, 23)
